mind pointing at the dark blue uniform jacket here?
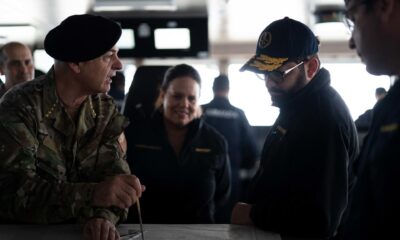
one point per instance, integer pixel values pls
(301, 186)
(232, 123)
(184, 189)
(374, 209)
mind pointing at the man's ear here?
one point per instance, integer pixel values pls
(75, 67)
(311, 67)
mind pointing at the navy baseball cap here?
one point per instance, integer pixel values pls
(282, 40)
(81, 38)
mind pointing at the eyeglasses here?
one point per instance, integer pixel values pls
(277, 76)
(348, 18)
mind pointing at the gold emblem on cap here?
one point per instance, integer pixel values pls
(265, 39)
(267, 63)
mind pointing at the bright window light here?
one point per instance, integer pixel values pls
(127, 39)
(207, 74)
(249, 93)
(331, 31)
(172, 38)
(351, 81)
(20, 33)
(129, 72)
(356, 85)
(42, 60)
(246, 92)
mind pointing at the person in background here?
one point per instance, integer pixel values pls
(182, 161)
(117, 89)
(374, 208)
(16, 64)
(363, 122)
(300, 189)
(232, 123)
(63, 148)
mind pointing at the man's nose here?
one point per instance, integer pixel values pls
(117, 64)
(184, 102)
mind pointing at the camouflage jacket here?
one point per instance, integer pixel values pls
(48, 164)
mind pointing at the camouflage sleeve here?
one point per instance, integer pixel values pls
(112, 149)
(111, 161)
(26, 196)
(29, 196)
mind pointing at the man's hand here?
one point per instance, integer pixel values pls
(100, 229)
(241, 214)
(120, 191)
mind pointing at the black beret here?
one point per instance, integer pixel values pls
(81, 38)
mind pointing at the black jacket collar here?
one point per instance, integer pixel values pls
(321, 80)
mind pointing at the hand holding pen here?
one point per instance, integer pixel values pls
(120, 191)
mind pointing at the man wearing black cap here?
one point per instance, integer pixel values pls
(232, 123)
(301, 186)
(62, 143)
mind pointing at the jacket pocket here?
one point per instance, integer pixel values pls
(49, 165)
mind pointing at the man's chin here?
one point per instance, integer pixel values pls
(106, 88)
(278, 101)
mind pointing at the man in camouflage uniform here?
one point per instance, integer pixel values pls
(62, 149)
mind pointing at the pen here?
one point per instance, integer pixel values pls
(140, 217)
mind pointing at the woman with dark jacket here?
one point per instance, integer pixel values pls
(182, 161)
